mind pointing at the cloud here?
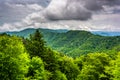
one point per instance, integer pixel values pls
(76, 9)
(24, 2)
(35, 7)
(15, 10)
(66, 10)
(68, 14)
(99, 23)
(56, 10)
(111, 2)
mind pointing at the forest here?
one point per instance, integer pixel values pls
(74, 43)
(33, 58)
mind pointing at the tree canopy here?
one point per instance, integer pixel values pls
(31, 59)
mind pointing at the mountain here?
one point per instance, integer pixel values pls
(27, 32)
(75, 42)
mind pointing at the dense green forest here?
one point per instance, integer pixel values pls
(75, 42)
(32, 58)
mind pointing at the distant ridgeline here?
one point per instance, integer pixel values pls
(75, 42)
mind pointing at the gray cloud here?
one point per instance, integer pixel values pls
(111, 2)
(76, 9)
(15, 10)
(67, 10)
(24, 2)
(57, 9)
(93, 5)
(61, 14)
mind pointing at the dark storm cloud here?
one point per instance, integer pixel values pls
(76, 9)
(93, 5)
(67, 10)
(111, 2)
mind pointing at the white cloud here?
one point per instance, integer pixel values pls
(34, 7)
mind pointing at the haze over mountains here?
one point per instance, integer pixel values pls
(28, 31)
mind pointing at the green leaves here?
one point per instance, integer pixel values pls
(36, 61)
(58, 75)
(93, 66)
(68, 67)
(35, 45)
(13, 58)
(76, 43)
(114, 68)
(36, 69)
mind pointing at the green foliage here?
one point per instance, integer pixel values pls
(35, 45)
(68, 67)
(36, 69)
(75, 43)
(13, 59)
(58, 75)
(46, 64)
(53, 61)
(92, 66)
(114, 68)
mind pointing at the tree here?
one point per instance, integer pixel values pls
(35, 45)
(68, 67)
(13, 58)
(92, 67)
(36, 69)
(58, 75)
(114, 68)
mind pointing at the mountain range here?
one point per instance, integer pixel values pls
(76, 42)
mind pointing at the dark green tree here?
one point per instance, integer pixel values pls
(35, 45)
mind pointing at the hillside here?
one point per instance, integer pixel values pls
(31, 59)
(75, 42)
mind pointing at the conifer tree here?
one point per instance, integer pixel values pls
(36, 45)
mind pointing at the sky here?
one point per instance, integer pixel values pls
(90, 15)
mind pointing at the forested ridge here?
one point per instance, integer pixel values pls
(76, 42)
(31, 59)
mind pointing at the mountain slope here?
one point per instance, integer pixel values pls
(75, 43)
